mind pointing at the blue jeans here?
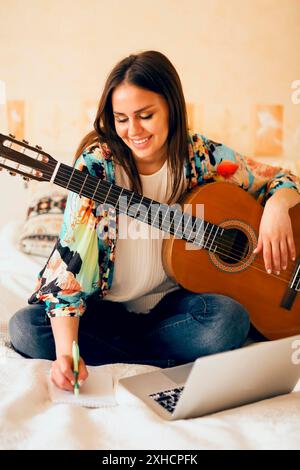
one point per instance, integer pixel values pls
(180, 328)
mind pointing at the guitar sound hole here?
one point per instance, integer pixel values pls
(233, 246)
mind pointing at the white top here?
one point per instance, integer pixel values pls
(139, 280)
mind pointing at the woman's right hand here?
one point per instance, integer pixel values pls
(62, 374)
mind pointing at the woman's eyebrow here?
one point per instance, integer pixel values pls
(138, 110)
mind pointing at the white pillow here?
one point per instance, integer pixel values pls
(44, 219)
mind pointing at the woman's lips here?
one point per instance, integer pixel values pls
(142, 145)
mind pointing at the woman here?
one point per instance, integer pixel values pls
(129, 310)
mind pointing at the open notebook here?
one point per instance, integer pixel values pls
(96, 392)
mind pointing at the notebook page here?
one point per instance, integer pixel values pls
(96, 392)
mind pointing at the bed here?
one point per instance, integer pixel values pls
(29, 420)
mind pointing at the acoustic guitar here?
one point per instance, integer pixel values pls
(212, 253)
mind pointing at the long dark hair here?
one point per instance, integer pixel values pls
(150, 70)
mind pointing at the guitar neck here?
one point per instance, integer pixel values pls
(34, 163)
(169, 219)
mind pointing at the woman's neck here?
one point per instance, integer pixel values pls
(150, 167)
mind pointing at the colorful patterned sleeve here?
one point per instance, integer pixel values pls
(212, 161)
(71, 272)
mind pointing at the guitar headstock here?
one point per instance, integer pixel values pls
(18, 157)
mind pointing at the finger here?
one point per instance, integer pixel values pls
(276, 257)
(83, 372)
(61, 381)
(267, 254)
(283, 253)
(66, 368)
(258, 246)
(292, 248)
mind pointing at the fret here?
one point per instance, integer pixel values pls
(114, 199)
(180, 222)
(156, 223)
(203, 235)
(123, 205)
(220, 235)
(192, 229)
(79, 194)
(123, 208)
(60, 179)
(139, 206)
(132, 211)
(192, 236)
(96, 189)
(168, 228)
(130, 202)
(197, 233)
(185, 224)
(107, 194)
(155, 216)
(208, 235)
(147, 212)
(120, 195)
(71, 176)
(131, 198)
(84, 192)
(190, 239)
(198, 223)
(167, 210)
(209, 249)
(142, 208)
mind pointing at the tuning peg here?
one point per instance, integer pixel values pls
(25, 178)
(25, 141)
(38, 147)
(12, 173)
(12, 136)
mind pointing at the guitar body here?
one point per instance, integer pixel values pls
(244, 279)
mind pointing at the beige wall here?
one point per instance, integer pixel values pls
(233, 57)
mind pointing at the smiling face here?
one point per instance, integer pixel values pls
(141, 121)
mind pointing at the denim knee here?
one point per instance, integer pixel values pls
(236, 320)
(31, 334)
(226, 322)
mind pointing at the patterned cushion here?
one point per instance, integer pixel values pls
(43, 222)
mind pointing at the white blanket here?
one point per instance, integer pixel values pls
(29, 420)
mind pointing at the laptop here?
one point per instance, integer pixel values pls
(220, 381)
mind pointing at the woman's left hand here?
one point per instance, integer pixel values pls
(276, 236)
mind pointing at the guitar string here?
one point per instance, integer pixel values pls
(222, 245)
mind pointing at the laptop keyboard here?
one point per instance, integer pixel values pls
(168, 398)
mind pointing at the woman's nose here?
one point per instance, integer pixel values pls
(134, 128)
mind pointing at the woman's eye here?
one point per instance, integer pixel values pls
(142, 117)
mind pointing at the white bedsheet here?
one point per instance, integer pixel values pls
(28, 420)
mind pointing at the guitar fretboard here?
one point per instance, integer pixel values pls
(169, 219)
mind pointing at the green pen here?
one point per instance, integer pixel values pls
(75, 354)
